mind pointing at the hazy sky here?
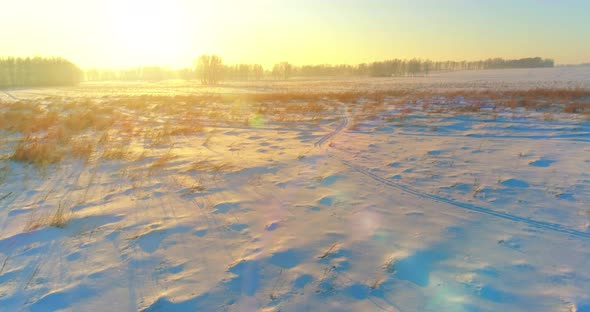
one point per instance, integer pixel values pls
(124, 33)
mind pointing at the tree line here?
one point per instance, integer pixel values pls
(38, 71)
(210, 70)
(388, 68)
(416, 67)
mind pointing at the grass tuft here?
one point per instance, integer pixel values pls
(38, 151)
(60, 218)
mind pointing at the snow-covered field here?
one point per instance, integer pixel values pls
(503, 79)
(357, 206)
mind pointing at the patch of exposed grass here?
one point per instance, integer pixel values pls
(187, 129)
(577, 108)
(60, 218)
(205, 165)
(82, 149)
(163, 160)
(117, 151)
(38, 151)
(4, 173)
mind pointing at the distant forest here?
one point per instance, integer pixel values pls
(38, 71)
(210, 70)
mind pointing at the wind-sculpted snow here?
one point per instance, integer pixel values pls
(498, 214)
(356, 203)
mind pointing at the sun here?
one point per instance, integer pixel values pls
(150, 32)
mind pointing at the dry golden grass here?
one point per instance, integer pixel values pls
(355, 125)
(577, 108)
(158, 137)
(116, 151)
(33, 224)
(163, 160)
(105, 138)
(83, 148)
(60, 218)
(26, 120)
(51, 129)
(38, 151)
(43, 122)
(187, 128)
(4, 173)
(221, 167)
(79, 121)
(536, 99)
(163, 134)
(205, 165)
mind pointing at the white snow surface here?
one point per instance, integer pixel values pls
(497, 79)
(430, 212)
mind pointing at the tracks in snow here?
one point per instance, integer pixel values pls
(10, 95)
(326, 137)
(498, 214)
(554, 227)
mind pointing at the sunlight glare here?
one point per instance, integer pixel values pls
(151, 31)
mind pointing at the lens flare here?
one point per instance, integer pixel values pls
(257, 121)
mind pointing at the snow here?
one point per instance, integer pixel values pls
(436, 211)
(496, 79)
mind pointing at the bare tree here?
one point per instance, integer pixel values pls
(209, 69)
(282, 70)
